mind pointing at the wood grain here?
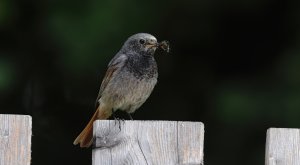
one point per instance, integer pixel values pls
(15, 140)
(283, 146)
(148, 143)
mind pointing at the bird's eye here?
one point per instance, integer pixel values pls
(142, 41)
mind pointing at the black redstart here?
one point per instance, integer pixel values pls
(128, 82)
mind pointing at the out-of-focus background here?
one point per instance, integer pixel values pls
(234, 65)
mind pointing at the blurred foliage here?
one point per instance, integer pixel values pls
(86, 28)
(234, 65)
(6, 75)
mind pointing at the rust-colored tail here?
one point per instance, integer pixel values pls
(85, 138)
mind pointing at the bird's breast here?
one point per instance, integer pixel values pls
(129, 92)
(142, 67)
(131, 85)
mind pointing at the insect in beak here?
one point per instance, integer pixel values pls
(164, 45)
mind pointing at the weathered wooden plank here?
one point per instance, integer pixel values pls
(15, 140)
(190, 150)
(148, 142)
(283, 146)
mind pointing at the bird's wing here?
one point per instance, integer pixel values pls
(114, 66)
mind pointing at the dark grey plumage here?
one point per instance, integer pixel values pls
(129, 81)
(135, 74)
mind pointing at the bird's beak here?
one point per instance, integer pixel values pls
(152, 43)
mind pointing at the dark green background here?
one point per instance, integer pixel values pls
(233, 65)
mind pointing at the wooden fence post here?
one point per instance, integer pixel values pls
(15, 140)
(283, 146)
(148, 142)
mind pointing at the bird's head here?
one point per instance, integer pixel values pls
(141, 43)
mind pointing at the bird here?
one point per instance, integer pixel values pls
(128, 82)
